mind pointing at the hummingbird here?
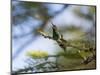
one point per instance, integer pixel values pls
(59, 37)
(56, 34)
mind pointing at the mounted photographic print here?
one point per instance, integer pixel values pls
(52, 37)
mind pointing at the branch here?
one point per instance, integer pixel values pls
(89, 59)
(63, 42)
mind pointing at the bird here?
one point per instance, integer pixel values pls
(56, 34)
(59, 37)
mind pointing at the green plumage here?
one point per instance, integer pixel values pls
(56, 35)
(59, 38)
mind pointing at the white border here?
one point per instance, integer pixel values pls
(5, 37)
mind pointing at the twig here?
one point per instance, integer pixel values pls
(64, 43)
(89, 59)
(60, 42)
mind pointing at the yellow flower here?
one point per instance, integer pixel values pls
(37, 54)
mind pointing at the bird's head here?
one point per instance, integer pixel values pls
(53, 26)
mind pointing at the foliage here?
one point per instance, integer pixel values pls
(37, 54)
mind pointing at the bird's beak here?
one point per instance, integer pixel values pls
(52, 24)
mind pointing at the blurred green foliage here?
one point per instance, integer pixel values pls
(37, 54)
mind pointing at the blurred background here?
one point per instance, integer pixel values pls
(73, 21)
